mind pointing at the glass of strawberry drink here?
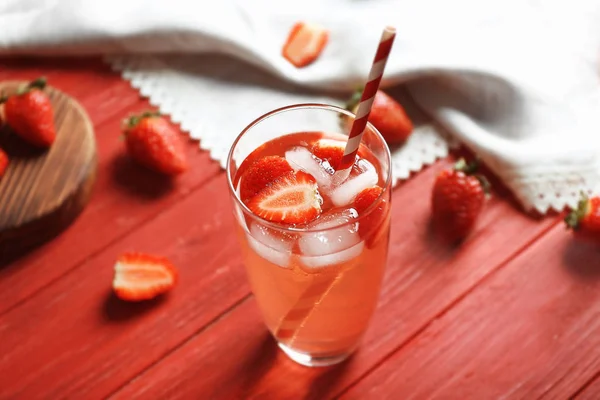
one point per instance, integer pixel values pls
(314, 249)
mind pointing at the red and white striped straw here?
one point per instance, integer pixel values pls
(297, 316)
(316, 292)
(366, 100)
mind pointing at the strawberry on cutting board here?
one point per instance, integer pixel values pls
(304, 44)
(154, 143)
(291, 199)
(585, 219)
(29, 113)
(140, 276)
(3, 162)
(458, 198)
(387, 115)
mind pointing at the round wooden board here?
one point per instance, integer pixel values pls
(44, 190)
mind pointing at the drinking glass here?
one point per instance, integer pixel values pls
(317, 305)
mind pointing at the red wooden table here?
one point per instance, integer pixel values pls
(512, 313)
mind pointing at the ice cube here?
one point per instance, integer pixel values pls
(333, 259)
(270, 245)
(347, 191)
(336, 244)
(331, 238)
(300, 158)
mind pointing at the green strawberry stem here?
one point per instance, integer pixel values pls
(467, 168)
(135, 119)
(354, 99)
(39, 83)
(572, 219)
(471, 169)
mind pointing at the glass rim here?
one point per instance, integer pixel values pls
(321, 106)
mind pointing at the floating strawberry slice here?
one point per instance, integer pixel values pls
(291, 199)
(140, 276)
(304, 44)
(330, 150)
(371, 226)
(3, 162)
(364, 199)
(260, 175)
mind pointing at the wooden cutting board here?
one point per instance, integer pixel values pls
(43, 191)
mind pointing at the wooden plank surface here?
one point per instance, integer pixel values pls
(109, 341)
(531, 330)
(424, 278)
(591, 391)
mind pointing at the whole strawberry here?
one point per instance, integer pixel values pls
(585, 219)
(387, 115)
(154, 143)
(457, 200)
(3, 162)
(29, 113)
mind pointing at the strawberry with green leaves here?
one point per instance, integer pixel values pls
(154, 142)
(458, 198)
(585, 219)
(29, 113)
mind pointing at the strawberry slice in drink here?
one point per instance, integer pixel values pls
(261, 173)
(332, 150)
(371, 226)
(291, 199)
(329, 150)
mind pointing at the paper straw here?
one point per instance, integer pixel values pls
(315, 293)
(366, 101)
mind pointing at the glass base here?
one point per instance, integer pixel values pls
(311, 361)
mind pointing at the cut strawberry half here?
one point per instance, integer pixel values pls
(373, 225)
(304, 44)
(364, 199)
(261, 174)
(330, 150)
(291, 199)
(140, 276)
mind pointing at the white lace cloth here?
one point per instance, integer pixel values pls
(515, 80)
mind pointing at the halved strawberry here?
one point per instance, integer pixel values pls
(304, 44)
(371, 226)
(140, 276)
(261, 174)
(330, 150)
(291, 199)
(3, 162)
(368, 196)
